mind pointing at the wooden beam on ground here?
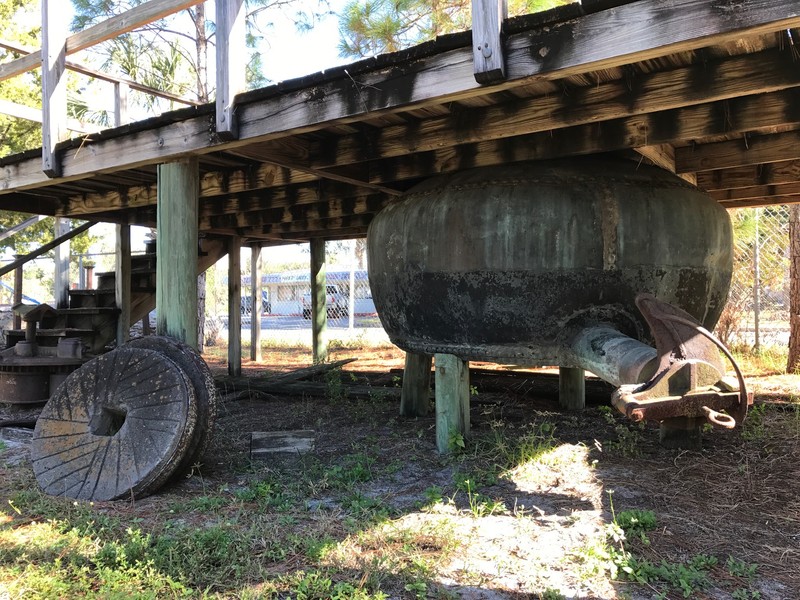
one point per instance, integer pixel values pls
(176, 243)
(235, 307)
(61, 264)
(110, 28)
(751, 150)
(683, 25)
(452, 401)
(230, 30)
(319, 312)
(54, 85)
(122, 282)
(256, 288)
(487, 44)
(415, 398)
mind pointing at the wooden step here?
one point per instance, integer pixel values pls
(91, 298)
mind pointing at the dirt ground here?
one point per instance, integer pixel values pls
(526, 508)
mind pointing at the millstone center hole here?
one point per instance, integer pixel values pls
(107, 421)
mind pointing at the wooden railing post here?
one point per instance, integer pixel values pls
(487, 47)
(54, 84)
(230, 66)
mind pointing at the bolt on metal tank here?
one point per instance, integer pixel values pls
(542, 263)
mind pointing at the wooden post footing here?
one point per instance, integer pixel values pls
(571, 388)
(452, 401)
(414, 399)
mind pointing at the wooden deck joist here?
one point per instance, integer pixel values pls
(709, 89)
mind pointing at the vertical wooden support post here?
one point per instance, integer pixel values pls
(61, 259)
(487, 47)
(120, 103)
(235, 307)
(176, 246)
(319, 312)
(256, 304)
(414, 398)
(230, 32)
(452, 400)
(54, 84)
(122, 283)
(18, 293)
(571, 388)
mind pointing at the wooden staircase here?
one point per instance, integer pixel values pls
(92, 314)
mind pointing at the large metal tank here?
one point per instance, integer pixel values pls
(511, 263)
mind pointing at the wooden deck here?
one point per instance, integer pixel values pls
(709, 89)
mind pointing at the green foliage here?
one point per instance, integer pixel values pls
(637, 522)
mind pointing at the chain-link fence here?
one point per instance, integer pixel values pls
(757, 313)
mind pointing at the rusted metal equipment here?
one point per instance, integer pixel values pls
(581, 264)
(30, 371)
(124, 424)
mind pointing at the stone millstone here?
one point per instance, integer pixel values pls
(117, 427)
(196, 369)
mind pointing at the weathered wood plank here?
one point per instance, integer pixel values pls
(452, 400)
(176, 244)
(593, 42)
(663, 90)
(764, 201)
(487, 46)
(113, 27)
(751, 150)
(54, 86)
(742, 177)
(265, 444)
(756, 192)
(230, 30)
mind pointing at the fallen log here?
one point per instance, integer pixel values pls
(296, 375)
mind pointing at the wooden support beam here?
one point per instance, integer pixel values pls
(319, 311)
(256, 288)
(415, 397)
(235, 307)
(176, 267)
(682, 26)
(115, 26)
(756, 192)
(230, 32)
(61, 265)
(742, 177)
(452, 401)
(17, 318)
(54, 85)
(571, 388)
(763, 201)
(663, 155)
(122, 282)
(751, 150)
(487, 44)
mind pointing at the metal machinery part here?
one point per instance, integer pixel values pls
(30, 372)
(689, 380)
(580, 263)
(118, 427)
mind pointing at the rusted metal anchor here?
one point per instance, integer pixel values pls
(688, 386)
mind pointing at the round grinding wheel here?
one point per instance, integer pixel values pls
(118, 426)
(205, 390)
